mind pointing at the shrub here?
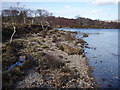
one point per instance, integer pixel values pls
(50, 62)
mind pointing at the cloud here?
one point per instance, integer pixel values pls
(67, 6)
(104, 2)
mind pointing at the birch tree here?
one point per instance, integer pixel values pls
(14, 15)
(15, 12)
(30, 15)
(42, 18)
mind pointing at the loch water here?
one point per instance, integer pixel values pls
(103, 54)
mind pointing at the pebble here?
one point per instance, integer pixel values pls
(91, 78)
(67, 61)
(73, 80)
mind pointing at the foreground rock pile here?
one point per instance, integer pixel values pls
(57, 61)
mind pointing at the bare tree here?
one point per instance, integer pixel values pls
(23, 16)
(30, 15)
(14, 15)
(5, 12)
(82, 21)
(15, 12)
(42, 18)
(14, 27)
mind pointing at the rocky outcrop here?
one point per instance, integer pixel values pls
(54, 61)
(72, 50)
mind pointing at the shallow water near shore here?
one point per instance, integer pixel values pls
(103, 54)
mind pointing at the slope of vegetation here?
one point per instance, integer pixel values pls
(55, 60)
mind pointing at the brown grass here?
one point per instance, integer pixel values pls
(50, 62)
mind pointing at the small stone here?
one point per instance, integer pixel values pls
(22, 57)
(91, 78)
(33, 83)
(87, 47)
(60, 56)
(73, 80)
(79, 44)
(94, 57)
(85, 35)
(67, 61)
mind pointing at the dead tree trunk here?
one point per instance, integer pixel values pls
(13, 34)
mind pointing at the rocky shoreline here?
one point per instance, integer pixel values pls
(54, 60)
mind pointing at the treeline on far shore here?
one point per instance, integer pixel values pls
(20, 15)
(61, 22)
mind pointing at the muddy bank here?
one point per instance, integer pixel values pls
(53, 61)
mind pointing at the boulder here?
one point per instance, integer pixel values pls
(72, 50)
(85, 35)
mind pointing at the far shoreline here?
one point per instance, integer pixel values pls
(88, 28)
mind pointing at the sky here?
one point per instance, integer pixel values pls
(93, 9)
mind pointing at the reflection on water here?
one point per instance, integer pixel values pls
(104, 58)
(20, 61)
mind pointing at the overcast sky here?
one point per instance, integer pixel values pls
(94, 9)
